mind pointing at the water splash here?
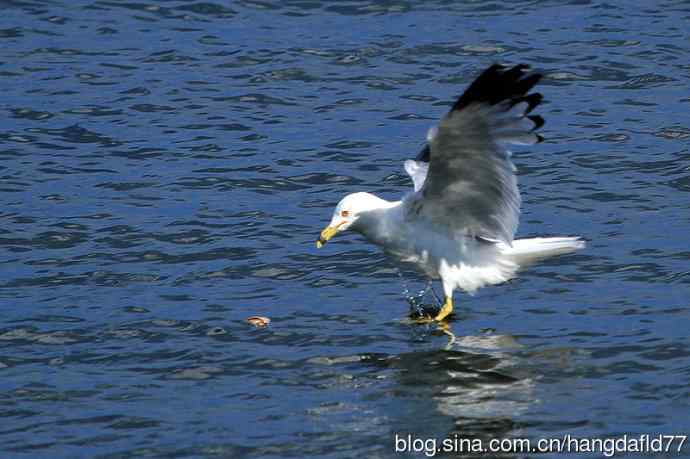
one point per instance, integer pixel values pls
(416, 300)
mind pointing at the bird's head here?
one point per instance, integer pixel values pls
(347, 213)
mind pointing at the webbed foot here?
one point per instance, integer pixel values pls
(422, 319)
(445, 311)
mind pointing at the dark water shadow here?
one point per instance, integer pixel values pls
(472, 389)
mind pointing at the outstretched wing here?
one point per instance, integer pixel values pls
(470, 186)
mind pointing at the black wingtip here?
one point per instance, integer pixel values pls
(425, 154)
(532, 100)
(537, 120)
(496, 84)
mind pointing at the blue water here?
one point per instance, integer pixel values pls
(165, 168)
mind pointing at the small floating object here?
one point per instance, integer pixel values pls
(259, 321)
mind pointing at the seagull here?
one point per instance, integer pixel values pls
(459, 221)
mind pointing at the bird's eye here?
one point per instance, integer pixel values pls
(345, 213)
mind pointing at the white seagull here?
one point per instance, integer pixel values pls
(458, 223)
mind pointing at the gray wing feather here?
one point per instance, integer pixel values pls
(417, 171)
(471, 187)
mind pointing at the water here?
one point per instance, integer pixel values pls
(166, 167)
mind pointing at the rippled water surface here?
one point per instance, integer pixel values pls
(166, 166)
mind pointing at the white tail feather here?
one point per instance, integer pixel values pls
(527, 251)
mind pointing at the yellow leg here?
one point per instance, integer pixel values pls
(446, 310)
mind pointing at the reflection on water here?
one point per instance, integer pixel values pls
(478, 385)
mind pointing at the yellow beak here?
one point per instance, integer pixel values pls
(327, 233)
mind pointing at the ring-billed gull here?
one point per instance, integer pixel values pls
(458, 223)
